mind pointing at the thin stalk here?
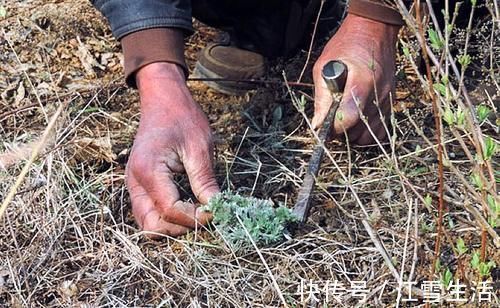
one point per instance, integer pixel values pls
(437, 121)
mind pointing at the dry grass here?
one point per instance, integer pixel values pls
(68, 238)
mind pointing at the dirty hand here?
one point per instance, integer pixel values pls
(367, 47)
(173, 136)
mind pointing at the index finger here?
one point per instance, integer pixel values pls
(161, 188)
(147, 217)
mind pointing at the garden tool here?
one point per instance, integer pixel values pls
(334, 73)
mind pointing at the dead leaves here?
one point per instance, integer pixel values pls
(20, 94)
(16, 154)
(83, 149)
(87, 60)
(94, 149)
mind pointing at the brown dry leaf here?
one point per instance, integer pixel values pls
(16, 154)
(68, 289)
(329, 204)
(401, 105)
(88, 61)
(94, 148)
(20, 94)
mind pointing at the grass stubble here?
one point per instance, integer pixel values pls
(68, 239)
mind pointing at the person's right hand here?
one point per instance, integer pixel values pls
(368, 48)
(173, 136)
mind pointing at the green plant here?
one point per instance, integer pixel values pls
(464, 60)
(482, 112)
(461, 247)
(484, 268)
(495, 211)
(265, 223)
(446, 277)
(436, 42)
(490, 148)
(475, 260)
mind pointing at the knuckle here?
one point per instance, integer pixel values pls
(150, 222)
(138, 165)
(148, 226)
(206, 184)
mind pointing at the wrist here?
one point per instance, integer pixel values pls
(156, 73)
(162, 87)
(388, 33)
(163, 92)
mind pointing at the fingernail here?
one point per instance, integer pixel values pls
(203, 217)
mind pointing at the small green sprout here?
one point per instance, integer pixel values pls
(406, 52)
(451, 223)
(428, 200)
(436, 43)
(441, 88)
(461, 247)
(302, 102)
(437, 265)
(495, 211)
(448, 116)
(477, 181)
(490, 148)
(464, 60)
(426, 227)
(265, 223)
(482, 112)
(474, 262)
(485, 268)
(493, 204)
(447, 277)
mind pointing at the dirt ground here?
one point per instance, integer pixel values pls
(68, 237)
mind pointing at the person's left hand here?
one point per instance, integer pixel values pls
(367, 47)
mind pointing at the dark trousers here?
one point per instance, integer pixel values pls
(271, 27)
(279, 27)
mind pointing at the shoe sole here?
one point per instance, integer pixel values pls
(226, 87)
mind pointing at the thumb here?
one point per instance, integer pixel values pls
(322, 101)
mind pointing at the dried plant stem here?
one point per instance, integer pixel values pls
(34, 154)
(275, 283)
(466, 103)
(437, 121)
(312, 41)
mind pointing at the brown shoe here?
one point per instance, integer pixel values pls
(232, 63)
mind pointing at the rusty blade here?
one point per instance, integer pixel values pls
(335, 75)
(303, 205)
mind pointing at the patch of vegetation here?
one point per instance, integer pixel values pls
(238, 217)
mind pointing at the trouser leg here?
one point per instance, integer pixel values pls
(270, 27)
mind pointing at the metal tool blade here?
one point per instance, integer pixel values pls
(335, 74)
